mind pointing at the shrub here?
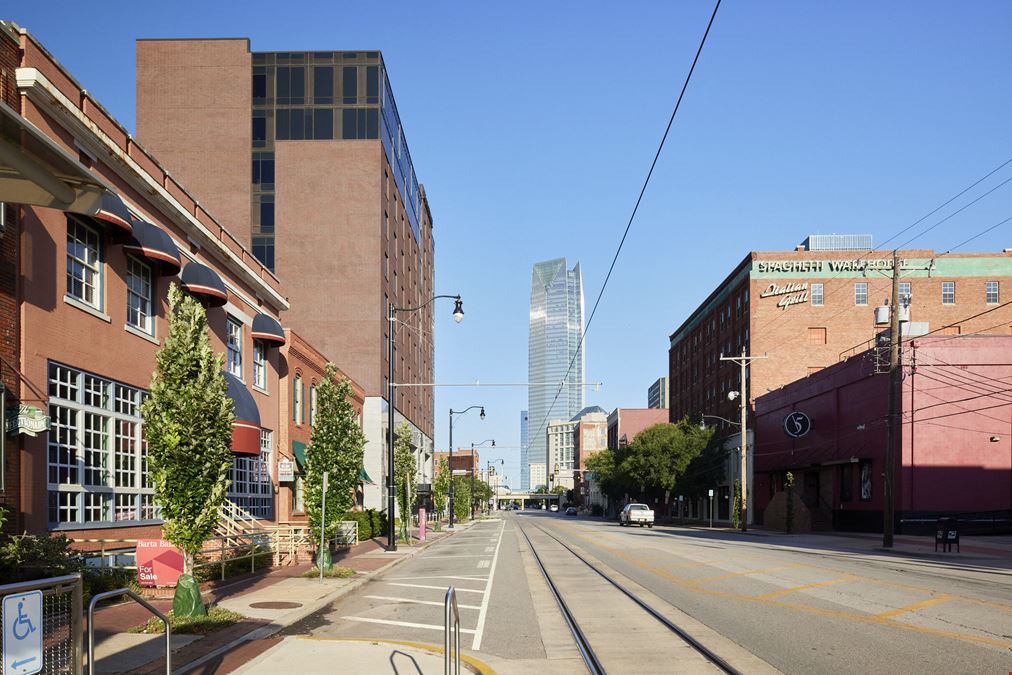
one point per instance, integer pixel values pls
(335, 572)
(364, 521)
(28, 556)
(215, 619)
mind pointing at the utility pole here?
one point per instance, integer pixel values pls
(743, 361)
(892, 434)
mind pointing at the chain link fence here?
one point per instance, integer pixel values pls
(62, 621)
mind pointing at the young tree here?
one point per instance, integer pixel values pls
(441, 487)
(188, 428)
(335, 446)
(404, 474)
(461, 498)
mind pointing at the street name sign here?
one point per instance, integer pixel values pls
(22, 619)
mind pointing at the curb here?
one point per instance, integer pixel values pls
(274, 627)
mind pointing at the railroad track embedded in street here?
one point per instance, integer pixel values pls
(614, 639)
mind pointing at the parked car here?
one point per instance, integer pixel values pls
(553, 507)
(571, 511)
(634, 514)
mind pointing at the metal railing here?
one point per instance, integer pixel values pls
(240, 547)
(62, 612)
(144, 603)
(451, 604)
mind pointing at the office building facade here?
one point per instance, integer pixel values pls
(556, 325)
(657, 394)
(304, 154)
(525, 470)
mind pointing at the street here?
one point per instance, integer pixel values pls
(765, 602)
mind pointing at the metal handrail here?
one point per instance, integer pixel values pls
(144, 603)
(448, 604)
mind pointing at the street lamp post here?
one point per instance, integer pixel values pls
(458, 316)
(450, 461)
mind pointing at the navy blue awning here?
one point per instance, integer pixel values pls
(156, 245)
(203, 281)
(267, 328)
(111, 210)
(246, 425)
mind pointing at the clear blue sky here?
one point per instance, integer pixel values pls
(532, 124)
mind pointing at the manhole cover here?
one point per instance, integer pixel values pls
(276, 605)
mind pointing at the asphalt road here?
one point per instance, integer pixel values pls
(815, 608)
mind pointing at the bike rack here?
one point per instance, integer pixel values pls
(144, 603)
(448, 604)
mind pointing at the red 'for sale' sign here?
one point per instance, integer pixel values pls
(159, 563)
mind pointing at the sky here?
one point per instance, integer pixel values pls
(532, 126)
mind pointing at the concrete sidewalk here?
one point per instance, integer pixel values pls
(270, 601)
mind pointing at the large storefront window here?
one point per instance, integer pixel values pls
(252, 488)
(97, 456)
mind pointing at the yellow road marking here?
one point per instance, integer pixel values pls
(732, 575)
(817, 584)
(809, 609)
(914, 606)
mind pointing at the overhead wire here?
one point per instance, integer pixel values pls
(632, 216)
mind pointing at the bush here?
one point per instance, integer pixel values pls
(236, 562)
(364, 521)
(335, 572)
(216, 618)
(28, 556)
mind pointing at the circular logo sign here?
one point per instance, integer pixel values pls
(797, 424)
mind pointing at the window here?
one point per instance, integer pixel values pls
(263, 250)
(252, 488)
(991, 292)
(290, 84)
(349, 86)
(266, 214)
(259, 84)
(234, 347)
(297, 399)
(816, 336)
(259, 129)
(312, 404)
(263, 168)
(139, 296)
(97, 457)
(259, 364)
(948, 292)
(818, 294)
(861, 293)
(298, 495)
(865, 477)
(323, 85)
(84, 270)
(904, 293)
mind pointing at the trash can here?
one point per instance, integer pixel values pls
(947, 534)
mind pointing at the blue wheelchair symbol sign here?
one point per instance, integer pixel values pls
(22, 633)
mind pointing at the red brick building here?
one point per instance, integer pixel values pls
(625, 423)
(95, 231)
(334, 206)
(955, 436)
(302, 370)
(463, 460)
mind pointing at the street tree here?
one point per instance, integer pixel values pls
(335, 446)
(404, 473)
(660, 454)
(441, 487)
(188, 428)
(461, 498)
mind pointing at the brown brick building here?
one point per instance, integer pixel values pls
(332, 204)
(95, 231)
(809, 309)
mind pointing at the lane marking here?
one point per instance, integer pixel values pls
(795, 589)
(914, 606)
(403, 624)
(732, 575)
(412, 601)
(476, 643)
(482, 564)
(465, 577)
(438, 588)
(453, 555)
(489, 549)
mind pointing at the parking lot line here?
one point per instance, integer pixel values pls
(795, 589)
(464, 577)
(476, 643)
(914, 606)
(412, 601)
(438, 588)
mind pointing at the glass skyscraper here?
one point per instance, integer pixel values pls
(525, 469)
(556, 323)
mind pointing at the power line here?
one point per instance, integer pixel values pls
(632, 216)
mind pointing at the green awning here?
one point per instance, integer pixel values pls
(363, 477)
(299, 450)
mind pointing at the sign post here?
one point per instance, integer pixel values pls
(22, 626)
(711, 506)
(323, 523)
(421, 523)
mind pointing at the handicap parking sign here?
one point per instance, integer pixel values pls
(22, 633)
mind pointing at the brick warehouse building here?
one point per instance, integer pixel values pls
(809, 308)
(95, 230)
(955, 438)
(332, 203)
